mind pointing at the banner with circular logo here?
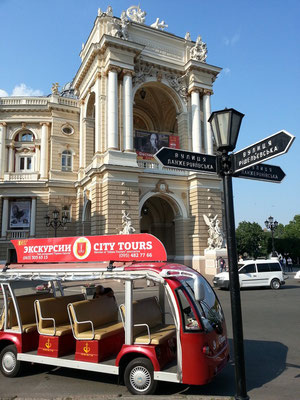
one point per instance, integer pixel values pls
(133, 247)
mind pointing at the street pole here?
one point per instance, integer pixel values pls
(236, 310)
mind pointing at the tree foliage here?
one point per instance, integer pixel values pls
(292, 230)
(251, 239)
(255, 242)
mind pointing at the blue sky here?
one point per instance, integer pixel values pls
(256, 42)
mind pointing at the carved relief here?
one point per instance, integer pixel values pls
(179, 84)
(162, 187)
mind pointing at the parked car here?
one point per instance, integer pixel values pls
(254, 273)
(297, 276)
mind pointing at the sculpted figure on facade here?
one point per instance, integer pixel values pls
(126, 224)
(178, 83)
(119, 28)
(159, 25)
(215, 235)
(136, 14)
(199, 51)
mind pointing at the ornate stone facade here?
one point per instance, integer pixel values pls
(83, 150)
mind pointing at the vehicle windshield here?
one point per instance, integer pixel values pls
(209, 309)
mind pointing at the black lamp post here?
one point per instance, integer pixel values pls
(272, 225)
(55, 222)
(225, 125)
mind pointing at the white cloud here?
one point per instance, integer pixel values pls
(231, 41)
(3, 93)
(24, 90)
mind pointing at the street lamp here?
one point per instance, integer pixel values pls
(55, 222)
(272, 225)
(225, 125)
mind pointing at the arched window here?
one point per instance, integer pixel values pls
(24, 152)
(66, 160)
(25, 137)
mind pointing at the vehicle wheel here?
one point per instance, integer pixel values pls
(138, 377)
(275, 284)
(9, 364)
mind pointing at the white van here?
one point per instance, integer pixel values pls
(254, 273)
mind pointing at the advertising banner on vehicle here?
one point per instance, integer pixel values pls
(133, 247)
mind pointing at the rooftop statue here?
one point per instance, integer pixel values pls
(199, 51)
(54, 88)
(188, 37)
(109, 11)
(136, 14)
(159, 25)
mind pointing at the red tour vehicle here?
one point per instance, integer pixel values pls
(137, 340)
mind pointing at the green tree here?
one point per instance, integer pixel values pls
(251, 239)
(292, 229)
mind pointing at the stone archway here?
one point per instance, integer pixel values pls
(158, 219)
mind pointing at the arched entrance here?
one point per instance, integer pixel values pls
(157, 218)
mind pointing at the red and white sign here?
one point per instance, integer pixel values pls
(133, 247)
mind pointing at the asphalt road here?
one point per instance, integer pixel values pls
(271, 322)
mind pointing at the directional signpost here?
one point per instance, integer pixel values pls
(186, 160)
(246, 163)
(270, 147)
(262, 172)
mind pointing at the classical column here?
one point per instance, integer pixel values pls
(208, 137)
(11, 154)
(4, 218)
(98, 113)
(44, 150)
(127, 111)
(81, 136)
(196, 121)
(112, 109)
(32, 218)
(3, 129)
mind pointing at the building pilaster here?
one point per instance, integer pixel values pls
(3, 129)
(112, 109)
(128, 111)
(44, 150)
(196, 122)
(208, 137)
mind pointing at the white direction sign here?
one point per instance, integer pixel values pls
(271, 146)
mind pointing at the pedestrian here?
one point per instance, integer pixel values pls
(290, 264)
(222, 264)
(284, 264)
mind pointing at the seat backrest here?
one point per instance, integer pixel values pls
(56, 308)
(100, 311)
(26, 308)
(145, 311)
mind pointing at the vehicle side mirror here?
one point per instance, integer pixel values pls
(199, 289)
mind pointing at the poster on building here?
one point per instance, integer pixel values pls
(148, 143)
(19, 214)
(174, 142)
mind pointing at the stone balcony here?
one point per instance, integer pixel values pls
(21, 176)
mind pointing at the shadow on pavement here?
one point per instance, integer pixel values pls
(265, 361)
